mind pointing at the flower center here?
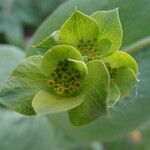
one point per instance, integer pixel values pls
(89, 48)
(65, 79)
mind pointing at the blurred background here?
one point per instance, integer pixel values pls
(24, 23)
(20, 18)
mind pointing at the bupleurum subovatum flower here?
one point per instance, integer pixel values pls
(82, 71)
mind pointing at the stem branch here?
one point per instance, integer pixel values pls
(139, 45)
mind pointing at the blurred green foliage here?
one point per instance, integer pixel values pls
(21, 17)
(9, 57)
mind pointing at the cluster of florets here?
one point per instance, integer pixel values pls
(65, 79)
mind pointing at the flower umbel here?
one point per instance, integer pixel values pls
(80, 70)
(94, 36)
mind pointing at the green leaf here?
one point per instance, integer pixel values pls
(96, 92)
(22, 84)
(9, 57)
(110, 28)
(114, 94)
(78, 28)
(47, 43)
(56, 54)
(45, 103)
(121, 59)
(19, 132)
(126, 79)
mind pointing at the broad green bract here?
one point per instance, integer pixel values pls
(80, 70)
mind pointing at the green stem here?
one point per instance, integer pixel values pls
(139, 45)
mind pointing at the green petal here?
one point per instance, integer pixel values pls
(79, 28)
(114, 94)
(123, 71)
(45, 103)
(22, 84)
(80, 66)
(47, 43)
(121, 59)
(126, 79)
(104, 46)
(56, 54)
(110, 28)
(96, 91)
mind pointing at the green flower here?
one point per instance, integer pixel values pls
(123, 71)
(56, 82)
(82, 71)
(97, 37)
(94, 36)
